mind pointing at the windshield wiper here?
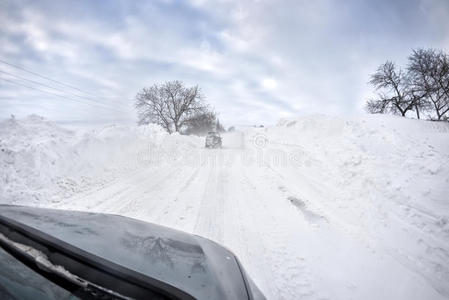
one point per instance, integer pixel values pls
(44, 264)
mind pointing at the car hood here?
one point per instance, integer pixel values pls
(198, 266)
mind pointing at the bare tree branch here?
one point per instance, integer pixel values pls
(429, 70)
(396, 96)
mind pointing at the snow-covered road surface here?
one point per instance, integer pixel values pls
(301, 230)
(256, 209)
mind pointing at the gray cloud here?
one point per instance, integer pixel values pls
(256, 61)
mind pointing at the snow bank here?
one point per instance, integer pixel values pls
(386, 180)
(391, 154)
(42, 162)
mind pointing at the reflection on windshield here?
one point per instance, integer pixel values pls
(166, 251)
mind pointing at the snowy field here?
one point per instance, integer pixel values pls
(316, 207)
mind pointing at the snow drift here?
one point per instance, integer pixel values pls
(42, 162)
(387, 181)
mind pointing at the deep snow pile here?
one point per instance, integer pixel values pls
(386, 180)
(41, 162)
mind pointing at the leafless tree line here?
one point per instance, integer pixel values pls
(422, 87)
(176, 108)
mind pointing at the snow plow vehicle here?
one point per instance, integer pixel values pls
(62, 254)
(213, 140)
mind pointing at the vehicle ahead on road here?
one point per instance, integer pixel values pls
(213, 140)
(61, 254)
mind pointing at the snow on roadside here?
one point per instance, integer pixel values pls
(387, 181)
(41, 162)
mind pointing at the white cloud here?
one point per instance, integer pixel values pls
(269, 83)
(265, 59)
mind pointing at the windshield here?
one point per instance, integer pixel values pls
(17, 281)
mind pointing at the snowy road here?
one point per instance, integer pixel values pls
(273, 214)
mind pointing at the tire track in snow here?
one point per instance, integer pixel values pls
(173, 212)
(243, 234)
(155, 197)
(291, 278)
(210, 219)
(126, 196)
(94, 190)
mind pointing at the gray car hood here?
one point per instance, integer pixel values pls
(198, 266)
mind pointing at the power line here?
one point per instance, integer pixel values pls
(45, 77)
(40, 83)
(52, 87)
(58, 95)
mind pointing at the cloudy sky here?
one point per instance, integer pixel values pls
(255, 61)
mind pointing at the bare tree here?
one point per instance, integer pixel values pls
(169, 104)
(395, 94)
(429, 70)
